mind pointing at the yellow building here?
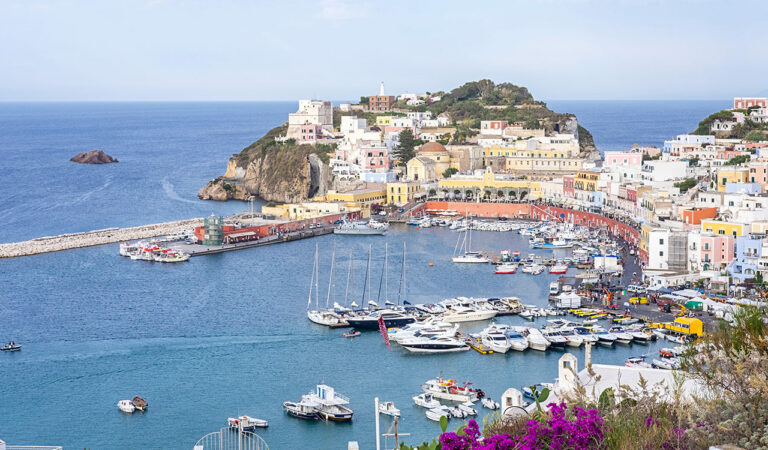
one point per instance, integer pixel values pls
(731, 175)
(686, 325)
(493, 185)
(402, 192)
(308, 210)
(376, 193)
(720, 227)
(384, 121)
(586, 181)
(645, 231)
(421, 168)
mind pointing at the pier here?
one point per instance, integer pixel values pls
(96, 237)
(200, 250)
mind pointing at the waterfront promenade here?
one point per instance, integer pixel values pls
(96, 237)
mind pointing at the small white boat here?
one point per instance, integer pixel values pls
(558, 269)
(506, 268)
(426, 401)
(389, 409)
(488, 403)
(526, 314)
(457, 412)
(468, 408)
(126, 406)
(436, 413)
(637, 361)
(247, 423)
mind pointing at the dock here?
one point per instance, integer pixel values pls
(96, 237)
(200, 249)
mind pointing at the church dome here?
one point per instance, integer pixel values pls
(432, 147)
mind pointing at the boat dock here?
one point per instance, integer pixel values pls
(200, 249)
(97, 237)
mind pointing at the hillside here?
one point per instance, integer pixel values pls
(748, 129)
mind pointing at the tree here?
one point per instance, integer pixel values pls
(432, 192)
(686, 184)
(736, 160)
(363, 100)
(404, 151)
(450, 171)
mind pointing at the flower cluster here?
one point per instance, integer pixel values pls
(584, 431)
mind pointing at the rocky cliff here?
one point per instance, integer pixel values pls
(279, 172)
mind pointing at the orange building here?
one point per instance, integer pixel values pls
(694, 216)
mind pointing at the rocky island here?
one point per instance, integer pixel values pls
(93, 157)
(290, 163)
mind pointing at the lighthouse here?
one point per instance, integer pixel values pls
(381, 90)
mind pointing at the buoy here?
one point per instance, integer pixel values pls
(431, 264)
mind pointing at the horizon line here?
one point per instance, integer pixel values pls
(297, 99)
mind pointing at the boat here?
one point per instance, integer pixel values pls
(437, 413)
(574, 340)
(360, 228)
(126, 406)
(426, 400)
(605, 338)
(556, 340)
(389, 409)
(327, 316)
(637, 361)
(554, 287)
(11, 347)
(667, 353)
(330, 405)
(533, 269)
(495, 338)
(429, 328)
(506, 268)
(370, 321)
(558, 269)
(351, 334)
(517, 341)
(488, 403)
(302, 410)
(526, 314)
(456, 412)
(468, 408)
(536, 340)
(462, 313)
(246, 423)
(622, 337)
(139, 403)
(448, 389)
(528, 392)
(667, 363)
(463, 253)
(127, 248)
(436, 344)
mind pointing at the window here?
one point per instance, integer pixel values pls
(661, 241)
(661, 253)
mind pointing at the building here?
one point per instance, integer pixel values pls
(748, 102)
(727, 175)
(373, 193)
(749, 251)
(381, 102)
(310, 112)
(402, 192)
(694, 216)
(717, 251)
(492, 185)
(421, 168)
(723, 228)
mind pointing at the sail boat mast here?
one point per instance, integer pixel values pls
(330, 277)
(349, 277)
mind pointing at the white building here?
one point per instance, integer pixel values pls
(666, 170)
(310, 112)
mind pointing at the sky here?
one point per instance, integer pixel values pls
(239, 50)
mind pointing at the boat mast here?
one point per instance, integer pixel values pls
(367, 277)
(330, 278)
(349, 276)
(317, 276)
(312, 280)
(405, 283)
(386, 272)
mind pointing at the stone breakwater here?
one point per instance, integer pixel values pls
(96, 237)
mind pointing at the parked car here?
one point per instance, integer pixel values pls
(637, 289)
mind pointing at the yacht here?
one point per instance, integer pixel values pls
(622, 337)
(371, 321)
(448, 389)
(637, 361)
(436, 344)
(495, 338)
(437, 413)
(605, 338)
(361, 228)
(517, 341)
(327, 318)
(556, 340)
(506, 268)
(127, 248)
(641, 336)
(463, 253)
(389, 409)
(574, 340)
(466, 314)
(536, 340)
(471, 257)
(424, 329)
(587, 335)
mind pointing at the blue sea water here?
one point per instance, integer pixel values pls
(225, 334)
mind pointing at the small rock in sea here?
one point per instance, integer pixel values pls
(93, 157)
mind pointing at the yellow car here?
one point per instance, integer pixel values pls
(638, 301)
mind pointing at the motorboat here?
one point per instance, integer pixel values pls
(139, 403)
(471, 258)
(371, 321)
(456, 412)
(426, 400)
(667, 363)
(11, 347)
(127, 248)
(554, 288)
(536, 340)
(517, 341)
(587, 335)
(556, 340)
(488, 403)
(448, 389)
(435, 344)
(246, 423)
(637, 361)
(351, 334)
(329, 404)
(360, 228)
(667, 353)
(467, 314)
(495, 338)
(574, 340)
(468, 408)
(427, 329)
(506, 268)
(605, 338)
(558, 269)
(389, 409)
(126, 406)
(622, 337)
(526, 314)
(533, 269)
(437, 413)
(305, 409)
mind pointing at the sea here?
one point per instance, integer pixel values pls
(226, 335)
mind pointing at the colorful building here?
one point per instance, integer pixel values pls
(694, 216)
(731, 175)
(402, 192)
(493, 185)
(717, 251)
(723, 228)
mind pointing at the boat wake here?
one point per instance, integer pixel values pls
(171, 192)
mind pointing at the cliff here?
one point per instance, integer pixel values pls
(274, 171)
(93, 157)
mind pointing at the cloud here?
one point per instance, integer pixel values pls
(342, 10)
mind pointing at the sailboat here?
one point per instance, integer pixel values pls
(326, 316)
(463, 253)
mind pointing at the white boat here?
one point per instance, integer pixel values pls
(463, 253)
(558, 269)
(448, 389)
(587, 335)
(466, 314)
(457, 412)
(330, 405)
(533, 269)
(605, 338)
(468, 408)
(246, 423)
(526, 314)
(506, 268)
(127, 248)
(536, 340)
(317, 315)
(429, 328)
(126, 406)
(637, 361)
(437, 413)
(554, 288)
(389, 409)
(436, 344)
(426, 400)
(556, 340)
(574, 340)
(667, 363)
(517, 341)
(495, 338)
(359, 228)
(488, 403)
(622, 337)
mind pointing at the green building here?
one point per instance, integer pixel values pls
(214, 230)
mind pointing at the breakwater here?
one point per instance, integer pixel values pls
(96, 237)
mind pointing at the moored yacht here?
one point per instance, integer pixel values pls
(467, 314)
(506, 268)
(448, 389)
(436, 344)
(556, 340)
(371, 321)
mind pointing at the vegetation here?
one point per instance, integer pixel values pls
(646, 157)
(748, 129)
(406, 148)
(736, 160)
(450, 171)
(703, 128)
(686, 184)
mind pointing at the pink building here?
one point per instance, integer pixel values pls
(623, 159)
(568, 189)
(717, 251)
(375, 158)
(747, 102)
(309, 133)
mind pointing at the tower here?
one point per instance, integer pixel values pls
(381, 89)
